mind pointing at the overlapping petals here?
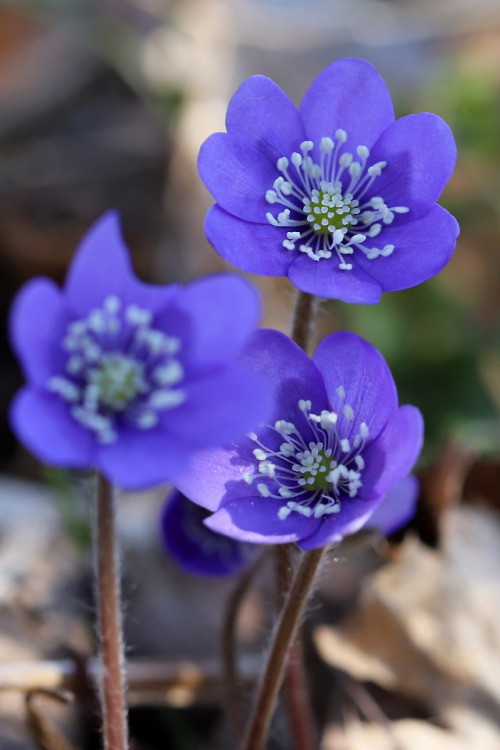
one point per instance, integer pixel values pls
(132, 378)
(336, 195)
(336, 446)
(194, 547)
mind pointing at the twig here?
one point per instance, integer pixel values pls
(150, 681)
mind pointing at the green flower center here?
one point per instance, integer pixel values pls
(327, 209)
(315, 468)
(117, 381)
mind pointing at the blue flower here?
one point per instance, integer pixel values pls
(196, 548)
(337, 195)
(131, 378)
(337, 446)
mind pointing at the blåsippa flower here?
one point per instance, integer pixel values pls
(336, 195)
(338, 443)
(197, 549)
(127, 377)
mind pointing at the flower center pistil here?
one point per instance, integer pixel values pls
(326, 206)
(118, 369)
(316, 465)
(118, 380)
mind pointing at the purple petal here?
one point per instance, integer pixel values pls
(401, 443)
(255, 248)
(287, 369)
(216, 475)
(420, 153)
(37, 323)
(220, 408)
(222, 311)
(352, 517)
(324, 279)
(102, 268)
(347, 360)
(397, 507)
(262, 114)
(142, 458)
(42, 422)
(350, 95)
(422, 248)
(238, 176)
(256, 520)
(195, 548)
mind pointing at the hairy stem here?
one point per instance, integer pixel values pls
(296, 693)
(110, 626)
(232, 683)
(284, 636)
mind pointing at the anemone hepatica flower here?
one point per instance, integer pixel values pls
(128, 377)
(196, 548)
(336, 195)
(337, 444)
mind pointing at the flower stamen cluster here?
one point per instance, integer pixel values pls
(325, 203)
(312, 475)
(118, 367)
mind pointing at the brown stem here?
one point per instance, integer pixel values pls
(110, 631)
(296, 692)
(232, 683)
(286, 632)
(303, 318)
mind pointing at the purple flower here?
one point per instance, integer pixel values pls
(397, 508)
(338, 196)
(337, 444)
(196, 548)
(128, 377)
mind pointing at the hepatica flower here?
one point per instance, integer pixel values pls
(128, 377)
(197, 549)
(337, 444)
(336, 195)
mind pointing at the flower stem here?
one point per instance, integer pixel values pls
(110, 626)
(297, 698)
(284, 637)
(232, 683)
(303, 318)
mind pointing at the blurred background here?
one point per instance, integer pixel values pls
(105, 103)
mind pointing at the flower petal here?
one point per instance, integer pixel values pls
(139, 459)
(216, 475)
(197, 549)
(287, 369)
(422, 248)
(400, 443)
(220, 408)
(350, 95)
(238, 175)
(347, 360)
(262, 114)
(256, 520)
(255, 248)
(222, 311)
(325, 279)
(352, 517)
(43, 423)
(102, 268)
(397, 508)
(420, 152)
(37, 323)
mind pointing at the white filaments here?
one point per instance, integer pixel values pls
(311, 474)
(324, 205)
(118, 368)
